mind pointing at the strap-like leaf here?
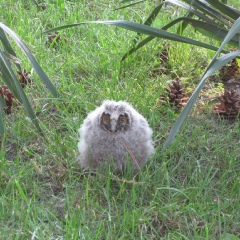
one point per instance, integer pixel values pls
(215, 32)
(222, 33)
(2, 103)
(153, 14)
(210, 11)
(232, 32)
(149, 21)
(135, 48)
(140, 28)
(230, 12)
(196, 12)
(21, 93)
(32, 59)
(210, 28)
(8, 47)
(6, 76)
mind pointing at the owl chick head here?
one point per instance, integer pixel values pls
(115, 117)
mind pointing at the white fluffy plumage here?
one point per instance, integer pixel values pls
(115, 135)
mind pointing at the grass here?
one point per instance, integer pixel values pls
(189, 192)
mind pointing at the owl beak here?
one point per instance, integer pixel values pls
(113, 125)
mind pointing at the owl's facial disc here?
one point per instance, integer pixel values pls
(115, 123)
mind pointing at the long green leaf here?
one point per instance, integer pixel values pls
(215, 32)
(2, 103)
(148, 22)
(140, 28)
(153, 14)
(196, 12)
(148, 39)
(135, 48)
(8, 47)
(215, 64)
(21, 93)
(32, 59)
(230, 12)
(218, 34)
(210, 11)
(7, 78)
(184, 24)
(232, 32)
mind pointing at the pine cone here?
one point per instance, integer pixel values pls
(164, 55)
(176, 95)
(8, 98)
(24, 78)
(6, 94)
(55, 39)
(229, 71)
(229, 104)
(162, 66)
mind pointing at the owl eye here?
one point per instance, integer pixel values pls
(106, 118)
(123, 119)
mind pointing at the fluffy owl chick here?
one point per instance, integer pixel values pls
(115, 135)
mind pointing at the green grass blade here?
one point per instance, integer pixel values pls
(2, 126)
(213, 66)
(32, 59)
(20, 190)
(148, 22)
(184, 24)
(129, 5)
(124, 1)
(135, 48)
(140, 28)
(153, 15)
(21, 93)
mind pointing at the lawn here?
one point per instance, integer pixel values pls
(190, 191)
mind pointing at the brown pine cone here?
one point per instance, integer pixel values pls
(8, 98)
(176, 95)
(229, 71)
(229, 104)
(24, 78)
